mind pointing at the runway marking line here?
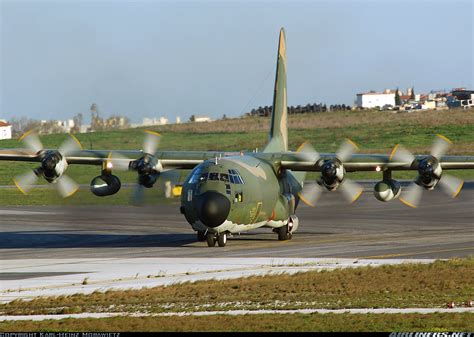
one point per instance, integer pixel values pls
(415, 253)
(241, 312)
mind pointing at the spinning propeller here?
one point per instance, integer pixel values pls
(332, 174)
(148, 167)
(53, 165)
(430, 172)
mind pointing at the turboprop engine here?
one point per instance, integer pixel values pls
(332, 174)
(105, 185)
(53, 166)
(387, 190)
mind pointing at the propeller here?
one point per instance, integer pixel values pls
(332, 174)
(148, 167)
(351, 190)
(429, 172)
(151, 142)
(53, 165)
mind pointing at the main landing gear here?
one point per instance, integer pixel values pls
(285, 232)
(220, 238)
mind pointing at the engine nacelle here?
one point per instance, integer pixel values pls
(105, 185)
(53, 165)
(387, 190)
(429, 173)
(332, 174)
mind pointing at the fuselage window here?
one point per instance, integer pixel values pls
(203, 177)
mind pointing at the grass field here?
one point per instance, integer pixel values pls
(400, 286)
(396, 286)
(264, 323)
(374, 131)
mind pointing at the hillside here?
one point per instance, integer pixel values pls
(373, 131)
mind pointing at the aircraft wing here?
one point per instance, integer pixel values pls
(369, 162)
(168, 159)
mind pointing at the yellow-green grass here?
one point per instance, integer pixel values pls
(397, 286)
(375, 132)
(438, 322)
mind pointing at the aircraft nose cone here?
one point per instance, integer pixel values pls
(212, 208)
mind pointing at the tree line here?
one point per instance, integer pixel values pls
(299, 109)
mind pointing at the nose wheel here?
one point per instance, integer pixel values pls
(212, 238)
(285, 232)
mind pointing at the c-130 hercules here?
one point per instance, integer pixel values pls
(236, 192)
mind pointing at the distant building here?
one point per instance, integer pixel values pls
(5, 130)
(460, 97)
(373, 99)
(178, 120)
(199, 119)
(154, 121)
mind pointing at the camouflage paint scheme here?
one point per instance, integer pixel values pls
(269, 195)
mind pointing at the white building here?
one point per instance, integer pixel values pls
(373, 99)
(5, 130)
(154, 121)
(200, 119)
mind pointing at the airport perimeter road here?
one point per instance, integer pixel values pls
(439, 228)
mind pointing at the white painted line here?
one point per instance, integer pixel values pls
(242, 312)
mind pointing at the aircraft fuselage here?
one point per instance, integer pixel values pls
(235, 194)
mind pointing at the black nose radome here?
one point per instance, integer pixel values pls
(212, 208)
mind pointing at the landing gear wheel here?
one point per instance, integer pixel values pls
(222, 239)
(211, 240)
(284, 234)
(201, 236)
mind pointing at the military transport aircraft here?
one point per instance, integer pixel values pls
(235, 192)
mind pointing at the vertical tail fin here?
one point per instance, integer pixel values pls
(278, 141)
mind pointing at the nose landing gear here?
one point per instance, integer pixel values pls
(220, 238)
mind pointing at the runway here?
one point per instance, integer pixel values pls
(439, 228)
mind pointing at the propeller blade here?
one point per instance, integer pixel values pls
(310, 194)
(308, 153)
(66, 186)
(451, 185)
(412, 195)
(32, 141)
(151, 142)
(24, 182)
(169, 179)
(400, 154)
(440, 146)
(118, 162)
(351, 190)
(70, 145)
(346, 150)
(138, 195)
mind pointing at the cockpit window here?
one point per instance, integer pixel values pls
(213, 176)
(224, 177)
(195, 176)
(234, 177)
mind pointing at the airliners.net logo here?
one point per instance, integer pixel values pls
(432, 334)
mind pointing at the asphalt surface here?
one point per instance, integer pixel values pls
(439, 228)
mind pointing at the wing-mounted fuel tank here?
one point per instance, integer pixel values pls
(387, 190)
(105, 185)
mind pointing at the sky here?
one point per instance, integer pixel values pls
(210, 58)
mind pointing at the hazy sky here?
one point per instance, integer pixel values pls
(156, 58)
